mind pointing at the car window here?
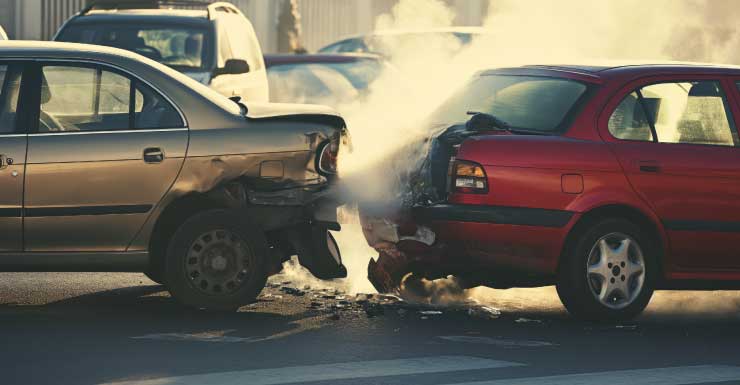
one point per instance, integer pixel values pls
(309, 83)
(681, 112)
(183, 48)
(349, 45)
(629, 121)
(10, 81)
(86, 98)
(151, 110)
(524, 102)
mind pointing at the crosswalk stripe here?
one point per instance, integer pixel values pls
(682, 375)
(327, 372)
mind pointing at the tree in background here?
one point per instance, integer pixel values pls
(289, 28)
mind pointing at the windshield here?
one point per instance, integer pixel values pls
(183, 48)
(393, 43)
(359, 73)
(310, 83)
(524, 102)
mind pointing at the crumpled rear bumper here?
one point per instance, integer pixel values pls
(478, 242)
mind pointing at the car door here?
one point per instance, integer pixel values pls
(13, 139)
(106, 148)
(677, 142)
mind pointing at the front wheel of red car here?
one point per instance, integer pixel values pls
(609, 272)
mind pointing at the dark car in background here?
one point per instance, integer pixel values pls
(216, 45)
(385, 42)
(328, 79)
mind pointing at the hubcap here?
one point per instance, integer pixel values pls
(616, 270)
(218, 262)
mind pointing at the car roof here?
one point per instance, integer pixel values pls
(467, 30)
(180, 16)
(604, 70)
(398, 32)
(53, 49)
(277, 59)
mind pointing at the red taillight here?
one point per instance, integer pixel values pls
(469, 178)
(328, 158)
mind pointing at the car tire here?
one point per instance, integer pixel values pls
(217, 261)
(609, 271)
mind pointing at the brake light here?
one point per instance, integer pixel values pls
(328, 157)
(469, 178)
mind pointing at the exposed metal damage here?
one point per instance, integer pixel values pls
(405, 241)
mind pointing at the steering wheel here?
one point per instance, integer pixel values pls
(49, 122)
(150, 52)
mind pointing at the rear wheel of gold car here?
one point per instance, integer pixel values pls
(217, 261)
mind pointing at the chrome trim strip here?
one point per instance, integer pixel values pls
(106, 132)
(12, 135)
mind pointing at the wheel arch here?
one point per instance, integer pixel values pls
(176, 212)
(645, 221)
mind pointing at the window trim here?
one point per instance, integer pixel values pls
(38, 63)
(638, 84)
(20, 126)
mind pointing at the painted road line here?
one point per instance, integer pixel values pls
(682, 375)
(328, 372)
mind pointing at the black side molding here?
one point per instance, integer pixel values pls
(697, 225)
(86, 210)
(523, 216)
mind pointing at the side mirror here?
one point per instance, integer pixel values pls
(232, 67)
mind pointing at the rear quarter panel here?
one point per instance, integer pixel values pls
(527, 172)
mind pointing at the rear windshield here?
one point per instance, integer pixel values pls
(524, 102)
(184, 48)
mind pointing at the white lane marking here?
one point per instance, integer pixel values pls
(327, 372)
(497, 341)
(682, 375)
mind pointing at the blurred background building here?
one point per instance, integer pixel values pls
(329, 19)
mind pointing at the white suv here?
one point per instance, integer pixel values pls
(216, 45)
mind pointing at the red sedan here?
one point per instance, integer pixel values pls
(608, 181)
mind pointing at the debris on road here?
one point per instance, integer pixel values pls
(430, 312)
(484, 312)
(523, 320)
(207, 336)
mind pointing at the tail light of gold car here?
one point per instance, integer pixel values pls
(328, 155)
(469, 178)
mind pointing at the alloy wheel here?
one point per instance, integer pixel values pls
(615, 270)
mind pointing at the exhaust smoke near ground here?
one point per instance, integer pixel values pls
(516, 32)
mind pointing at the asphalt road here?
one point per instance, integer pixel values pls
(85, 328)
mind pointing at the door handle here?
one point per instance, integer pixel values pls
(5, 161)
(649, 166)
(153, 155)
